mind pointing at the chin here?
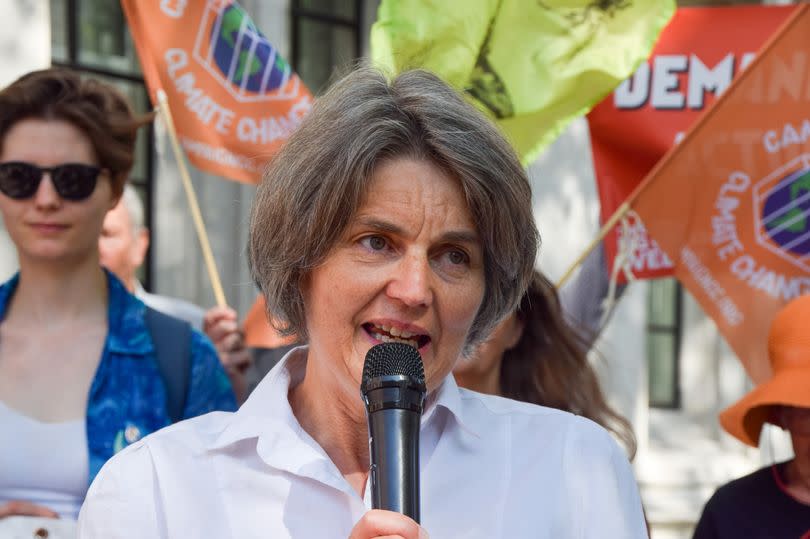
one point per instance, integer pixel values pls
(53, 254)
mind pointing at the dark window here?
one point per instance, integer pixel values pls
(326, 35)
(92, 37)
(663, 343)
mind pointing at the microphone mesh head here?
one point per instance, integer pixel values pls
(391, 358)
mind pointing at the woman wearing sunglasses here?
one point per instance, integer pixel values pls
(78, 375)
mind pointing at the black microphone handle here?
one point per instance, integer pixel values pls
(394, 445)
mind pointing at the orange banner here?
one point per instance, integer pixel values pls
(695, 59)
(730, 204)
(233, 98)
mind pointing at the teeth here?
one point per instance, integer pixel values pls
(386, 338)
(396, 332)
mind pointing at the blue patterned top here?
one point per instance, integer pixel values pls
(128, 397)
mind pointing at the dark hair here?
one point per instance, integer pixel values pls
(100, 111)
(313, 187)
(549, 365)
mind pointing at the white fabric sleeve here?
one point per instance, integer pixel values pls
(121, 501)
(606, 501)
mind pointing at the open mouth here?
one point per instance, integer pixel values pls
(384, 333)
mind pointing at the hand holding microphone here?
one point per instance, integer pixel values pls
(388, 524)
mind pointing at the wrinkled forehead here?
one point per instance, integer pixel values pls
(418, 191)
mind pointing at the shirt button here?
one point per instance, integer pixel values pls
(132, 434)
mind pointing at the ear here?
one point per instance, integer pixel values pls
(516, 327)
(140, 246)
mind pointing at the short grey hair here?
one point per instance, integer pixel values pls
(134, 206)
(314, 185)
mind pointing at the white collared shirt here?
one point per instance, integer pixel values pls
(490, 468)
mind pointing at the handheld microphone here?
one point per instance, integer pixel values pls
(394, 390)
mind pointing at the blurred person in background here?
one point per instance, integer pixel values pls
(79, 374)
(123, 244)
(534, 355)
(773, 502)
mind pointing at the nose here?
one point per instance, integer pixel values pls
(46, 196)
(411, 282)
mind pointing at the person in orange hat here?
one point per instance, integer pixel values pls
(773, 502)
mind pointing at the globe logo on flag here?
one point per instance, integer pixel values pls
(232, 49)
(783, 220)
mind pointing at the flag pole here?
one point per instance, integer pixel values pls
(199, 225)
(620, 212)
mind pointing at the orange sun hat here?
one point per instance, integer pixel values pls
(789, 385)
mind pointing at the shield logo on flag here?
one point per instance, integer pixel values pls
(231, 48)
(782, 200)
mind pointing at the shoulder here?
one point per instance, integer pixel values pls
(201, 345)
(530, 430)
(210, 387)
(571, 456)
(734, 503)
(204, 358)
(179, 308)
(742, 490)
(122, 500)
(530, 421)
(190, 437)
(492, 406)
(184, 440)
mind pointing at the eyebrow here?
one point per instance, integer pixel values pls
(451, 236)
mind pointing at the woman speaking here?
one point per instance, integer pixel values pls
(396, 212)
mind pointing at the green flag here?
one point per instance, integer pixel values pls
(532, 65)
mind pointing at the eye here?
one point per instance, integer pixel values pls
(457, 257)
(374, 243)
(453, 262)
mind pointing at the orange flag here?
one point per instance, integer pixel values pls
(730, 204)
(258, 331)
(695, 59)
(234, 99)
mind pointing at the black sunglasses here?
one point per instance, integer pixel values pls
(73, 181)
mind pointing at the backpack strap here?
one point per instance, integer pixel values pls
(171, 338)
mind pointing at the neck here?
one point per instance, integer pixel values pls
(129, 284)
(338, 423)
(488, 382)
(51, 294)
(797, 479)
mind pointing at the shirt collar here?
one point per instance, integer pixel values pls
(448, 397)
(267, 414)
(6, 291)
(127, 332)
(139, 290)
